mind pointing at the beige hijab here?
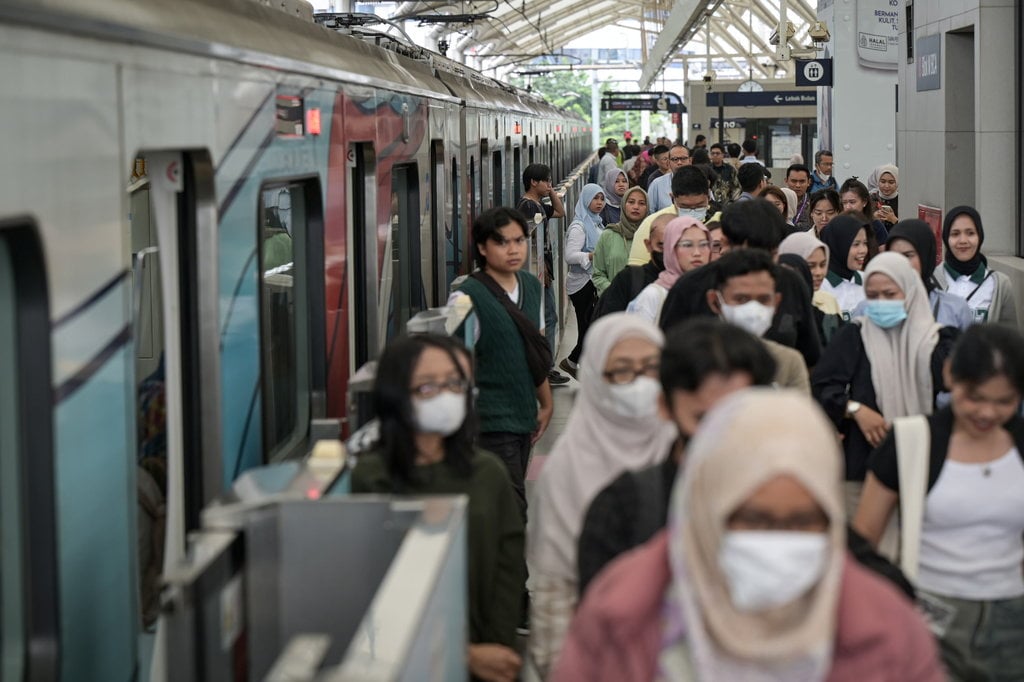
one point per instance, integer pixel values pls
(596, 446)
(901, 357)
(804, 244)
(725, 465)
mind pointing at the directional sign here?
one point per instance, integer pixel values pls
(811, 72)
(769, 98)
(641, 104)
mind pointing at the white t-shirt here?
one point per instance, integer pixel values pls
(972, 539)
(648, 302)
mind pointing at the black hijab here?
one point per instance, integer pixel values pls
(920, 235)
(838, 236)
(963, 267)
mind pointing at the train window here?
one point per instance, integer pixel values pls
(497, 177)
(28, 564)
(529, 155)
(485, 195)
(455, 259)
(285, 217)
(403, 266)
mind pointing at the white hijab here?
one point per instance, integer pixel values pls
(901, 357)
(703, 632)
(596, 446)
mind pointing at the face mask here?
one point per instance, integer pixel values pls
(752, 316)
(886, 314)
(658, 258)
(767, 569)
(824, 178)
(695, 213)
(636, 400)
(442, 414)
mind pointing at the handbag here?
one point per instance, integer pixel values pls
(538, 352)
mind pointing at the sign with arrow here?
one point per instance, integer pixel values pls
(768, 98)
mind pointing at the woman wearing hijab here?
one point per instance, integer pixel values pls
(887, 364)
(687, 246)
(847, 242)
(965, 271)
(751, 580)
(915, 240)
(614, 184)
(815, 254)
(884, 186)
(612, 252)
(792, 204)
(580, 241)
(614, 426)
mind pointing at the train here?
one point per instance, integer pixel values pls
(212, 213)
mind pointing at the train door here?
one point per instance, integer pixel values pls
(441, 244)
(455, 265)
(29, 589)
(363, 268)
(177, 368)
(497, 178)
(517, 174)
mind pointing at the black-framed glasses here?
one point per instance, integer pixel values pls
(433, 388)
(627, 375)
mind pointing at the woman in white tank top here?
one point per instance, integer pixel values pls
(972, 536)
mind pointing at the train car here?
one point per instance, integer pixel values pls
(213, 212)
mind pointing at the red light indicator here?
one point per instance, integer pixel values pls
(312, 494)
(313, 121)
(517, 128)
(558, 129)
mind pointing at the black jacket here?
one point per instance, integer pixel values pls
(624, 287)
(844, 374)
(794, 324)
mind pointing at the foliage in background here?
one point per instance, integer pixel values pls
(571, 90)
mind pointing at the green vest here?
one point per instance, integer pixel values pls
(508, 399)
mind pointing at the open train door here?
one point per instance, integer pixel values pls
(177, 369)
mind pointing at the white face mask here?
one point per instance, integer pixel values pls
(767, 569)
(636, 400)
(752, 316)
(824, 178)
(695, 213)
(443, 414)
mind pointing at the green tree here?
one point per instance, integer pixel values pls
(571, 90)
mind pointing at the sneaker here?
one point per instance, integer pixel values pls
(556, 378)
(567, 367)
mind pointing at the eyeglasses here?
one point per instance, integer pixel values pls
(679, 159)
(431, 389)
(687, 244)
(627, 375)
(716, 247)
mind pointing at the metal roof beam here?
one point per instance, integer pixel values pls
(684, 16)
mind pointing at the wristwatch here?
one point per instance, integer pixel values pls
(851, 408)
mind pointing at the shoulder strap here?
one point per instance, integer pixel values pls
(975, 289)
(913, 443)
(538, 353)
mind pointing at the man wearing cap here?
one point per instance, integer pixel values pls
(610, 160)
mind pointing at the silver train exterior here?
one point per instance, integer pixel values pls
(212, 212)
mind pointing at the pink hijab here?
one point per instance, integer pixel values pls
(673, 233)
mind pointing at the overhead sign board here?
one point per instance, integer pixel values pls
(929, 61)
(777, 98)
(657, 104)
(813, 72)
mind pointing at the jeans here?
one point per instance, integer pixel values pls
(551, 322)
(583, 302)
(985, 641)
(514, 450)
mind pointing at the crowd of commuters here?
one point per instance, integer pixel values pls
(764, 375)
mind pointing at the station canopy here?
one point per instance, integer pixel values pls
(500, 37)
